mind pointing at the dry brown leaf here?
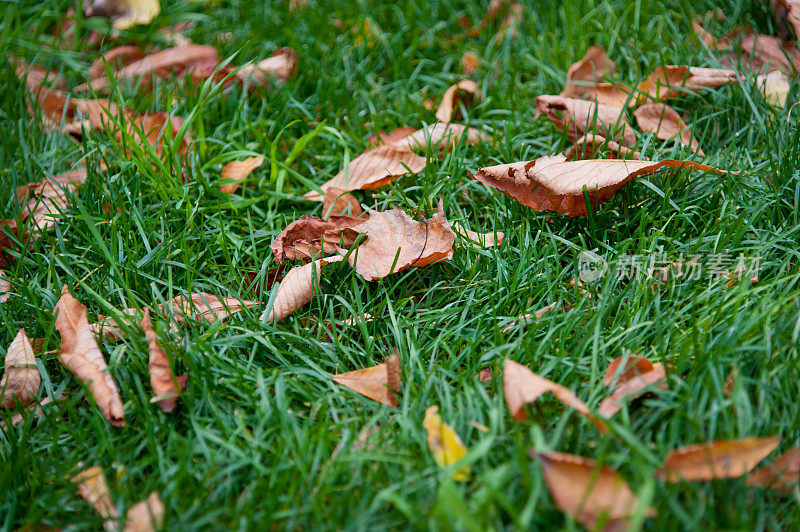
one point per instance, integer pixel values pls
(479, 240)
(372, 169)
(280, 65)
(485, 375)
(464, 92)
(339, 203)
(771, 52)
(154, 128)
(395, 241)
(580, 117)
(19, 417)
(165, 384)
(145, 516)
(81, 355)
(379, 383)
(787, 13)
(444, 444)
(202, 306)
(588, 71)
(780, 475)
(123, 13)
(49, 197)
(551, 183)
(613, 94)
(470, 62)
(716, 459)
(443, 136)
(632, 387)
(589, 147)
(111, 328)
(310, 236)
(521, 386)
(93, 488)
(236, 172)
(707, 37)
(159, 64)
(664, 121)
(674, 80)
(5, 287)
(116, 58)
(21, 377)
(391, 137)
(589, 492)
(297, 289)
(634, 365)
(35, 77)
(72, 116)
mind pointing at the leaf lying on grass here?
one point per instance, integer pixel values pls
(202, 306)
(775, 87)
(464, 92)
(479, 240)
(379, 383)
(780, 475)
(21, 377)
(663, 121)
(551, 183)
(165, 384)
(116, 58)
(123, 13)
(5, 287)
(146, 515)
(674, 80)
(236, 171)
(765, 52)
(580, 117)
(716, 459)
(587, 72)
(81, 355)
(470, 62)
(635, 381)
(787, 13)
(593, 494)
(297, 289)
(589, 147)
(49, 198)
(444, 444)
(309, 236)
(339, 203)
(443, 136)
(391, 137)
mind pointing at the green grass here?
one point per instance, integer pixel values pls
(262, 437)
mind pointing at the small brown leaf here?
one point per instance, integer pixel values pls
(297, 289)
(470, 62)
(581, 117)
(280, 65)
(5, 287)
(479, 240)
(339, 203)
(154, 128)
(165, 384)
(395, 242)
(551, 183)
(19, 417)
(93, 488)
(116, 58)
(588, 71)
(21, 377)
(445, 136)
(632, 387)
(464, 92)
(633, 365)
(716, 459)
(372, 169)
(237, 171)
(589, 147)
(485, 375)
(145, 516)
(589, 492)
(521, 387)
(666, 124)
(673, 80)
(208, 307)
(781, 475)
(310, 236)
(81, 355)
(379, 383)
(50, 197)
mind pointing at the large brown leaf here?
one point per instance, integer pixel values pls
(674, 80)
(787, 13)
(236, 171)
(93, 488)
(464, 92)
(202, 306)
(442, 137)
(395, 241)
(580, 117)
(81, 355)
(780, 475)
(379, 383)
(633, 387)
(551, 183)
(310, 236)
(663, 121)
(591, 493)
(716, 459)
(21, 377)
(521, 386)
(279, 66)
(297, 289)
(339, 203)
(116, 58)
(146, 515)
(770, 52)
(49, 198)
(372, 169)
(588, 71)
(165, 384)
(589, 147)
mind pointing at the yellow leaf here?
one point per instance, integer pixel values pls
(445, 445)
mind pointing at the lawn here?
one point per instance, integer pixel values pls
(262, 437)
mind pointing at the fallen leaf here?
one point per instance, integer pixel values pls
(443, 136)
(589, 492)
(19, 417)
(391, 137)
(203, 306)
(110, 328)
(613, 94)
(154, 128)
(674, 80)
(708, 38)
(479, 240)
(396, 242)
(588, 71)
(373, 169)
(280, 65)
(780, 475)
(93, 488)
(165, 384)
(444, 444)
(123, 13)
(21, 377)
(35, 77)
(339, 203)
(580, 117)
(663, 121)
(770, 52)
(716, 459)
(309, 236)
(81, 355)
(470, 62)
(787, 13)
(72, 116)
(116, 58)
(464, 92)
(521, 387)
(522, 318)
(551, 183)
(145, 516)
(485, 375)
(49, 198)
(623, 369)
(775, 87)
(379, 383)
(730, 383)
(297, 289)
(589, 147)
(5, 287)
(364, 437)
(236, 171)
(631, 388)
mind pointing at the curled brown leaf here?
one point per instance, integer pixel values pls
(116, 58)
(379, 383)
(146, 515)
(165, 384)
(339, 203)
(236, 171)
(663, 121)
(673, 80)
(21, 377)
(590, 70)
(297, 289)
(716, 459)
(465, 92)
(632, 387)
(580, 117)
(442, 137)
(780, 475)
(310, 236)
(93, 488)
(590, 147)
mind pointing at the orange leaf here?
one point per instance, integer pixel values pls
(280, 65)
(465, 91)
(49, 197)
(771, 52)
(165, 385)
(551, 183)
(145, 516)
(309, 236)
(589, 146)
(339, 203)
(297, 289)
(632, 387)
(116, 58)
(202, 306)
(445, 136)
(81, 355)
(673, 80)
(21, 377)
(633, 365)
(581, 117)
(588, 71)
(237, 171)
(781, 475)
(379, 383)
(391, 137)
(664, 122)
(5, 287)
(589, 492)
(93, 488)
(470, 63)
(716, 459)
